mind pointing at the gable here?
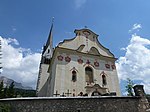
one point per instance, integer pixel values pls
(86, 41)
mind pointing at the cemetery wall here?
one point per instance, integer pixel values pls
(72, 104)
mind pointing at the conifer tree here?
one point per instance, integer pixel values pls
(5, 92)
(11, 91)
(1, 89)
(129, 87)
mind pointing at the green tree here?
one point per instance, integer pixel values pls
(1, 89)
(5, 92)
(11, 90)
(129, 87)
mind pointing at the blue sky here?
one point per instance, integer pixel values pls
(28, 22)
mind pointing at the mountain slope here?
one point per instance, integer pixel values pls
(8, 81)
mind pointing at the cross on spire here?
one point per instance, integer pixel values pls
(85, 27)
(52, 20)
(68, 93)
(56, 94)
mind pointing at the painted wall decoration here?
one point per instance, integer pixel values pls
(107, 66)
(113, 67)
(88, 62)
(86, 33)
(96, 64)
(60, 58)
(80, 61)
(67, 59)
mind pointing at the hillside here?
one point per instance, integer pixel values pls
(18, 85)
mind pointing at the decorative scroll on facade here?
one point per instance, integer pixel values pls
(67, 59)
(60, 58)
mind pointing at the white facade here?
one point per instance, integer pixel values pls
(78, 65)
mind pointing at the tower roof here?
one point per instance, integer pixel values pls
(50, 37)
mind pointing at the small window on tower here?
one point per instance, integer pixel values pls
(48, 51)
(74, 76)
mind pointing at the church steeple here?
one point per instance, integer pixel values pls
(50, 37)
(48, 48)
(45, 60)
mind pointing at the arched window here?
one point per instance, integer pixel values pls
(74, 76)
(88, 75)
(104, 82)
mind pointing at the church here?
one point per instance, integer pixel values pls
(79, 66)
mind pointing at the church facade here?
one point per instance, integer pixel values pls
(78, 66)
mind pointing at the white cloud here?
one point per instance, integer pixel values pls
(136, 62)
(146, 86)
(11, 41)
(79, 3)
(135, 27)
(22, 68)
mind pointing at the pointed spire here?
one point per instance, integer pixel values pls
(50, 37)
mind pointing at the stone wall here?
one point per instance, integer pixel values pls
(78, 104)
(138, 103)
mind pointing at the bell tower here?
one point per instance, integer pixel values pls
(45, 60)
